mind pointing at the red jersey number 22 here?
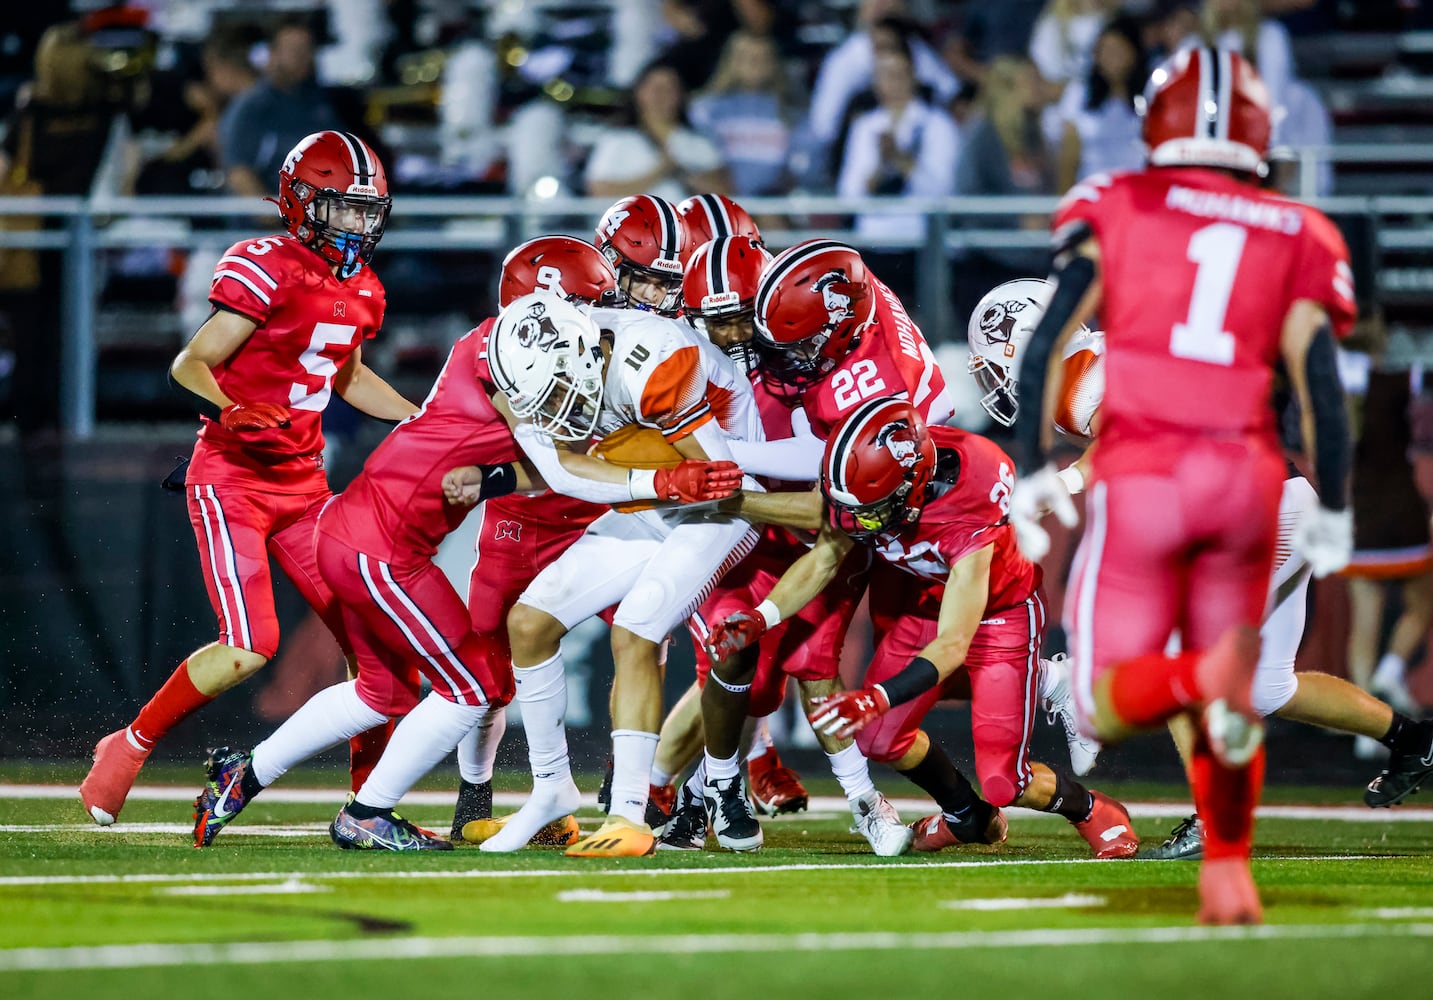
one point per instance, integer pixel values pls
(1202, 337)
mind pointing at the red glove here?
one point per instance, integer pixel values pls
(734, 633)
(846, 713)
(253, 416)
(697, 482)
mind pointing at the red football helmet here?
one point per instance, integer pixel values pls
(878, 463)
(811, 308)
(644, 235)
(1207, 107)
(562, 265)
(720, 285)
(711, 215)
(333, 197)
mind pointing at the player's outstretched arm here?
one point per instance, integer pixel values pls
(1325, 536)
(367, 391)
(967, 590)
(801, 582)
(221, 336)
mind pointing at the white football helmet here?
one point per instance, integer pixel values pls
(999, 328)
(546, 356)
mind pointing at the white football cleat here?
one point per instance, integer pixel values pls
(1059, 705)
(877, 820)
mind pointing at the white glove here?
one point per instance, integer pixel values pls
(1325, 539)
(1034, 495)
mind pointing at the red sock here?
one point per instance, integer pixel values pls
(1225, 798)
(364, 751)
(1147, 690)
(176, 701)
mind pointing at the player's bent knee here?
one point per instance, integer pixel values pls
(886, 747)
(1272, 693)
(530, 629)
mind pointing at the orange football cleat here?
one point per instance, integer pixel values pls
(1108, 829)
(775, 788)
(117, 764)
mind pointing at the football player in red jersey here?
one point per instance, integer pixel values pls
(711, 216)
(375, 545)
(645, 240)
(290, 315)
(519, 535)
(1203, 283)
(719, 296)
(963, 616)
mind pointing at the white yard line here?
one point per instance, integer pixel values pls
(818, 804)
(1070, 900)
(640, 896)
(288, 887)
(578, 870)
(387, 949)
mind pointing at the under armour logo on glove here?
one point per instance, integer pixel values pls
(846, 713)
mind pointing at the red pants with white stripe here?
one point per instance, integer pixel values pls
(1180, 533)
(1001, 677)
(238, 529)
(406, 616)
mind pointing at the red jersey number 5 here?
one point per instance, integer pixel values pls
(314, 391)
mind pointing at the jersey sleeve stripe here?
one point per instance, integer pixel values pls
(252, 266)
(259, 293)
(688, 423)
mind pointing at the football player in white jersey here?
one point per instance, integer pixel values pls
(999, 329)
(568, 376)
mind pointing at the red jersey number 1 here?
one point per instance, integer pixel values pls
(1202, 337)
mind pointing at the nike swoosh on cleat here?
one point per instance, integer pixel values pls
(219, 811)
(1113, 832)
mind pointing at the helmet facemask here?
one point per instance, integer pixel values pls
(743, 352)
(1000, 398)
(568, 412)
(344, 227)
(870, 520)
(671, 283)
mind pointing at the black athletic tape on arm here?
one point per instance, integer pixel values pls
(1073, 277)
(1331, 442)
(919, 676)
(202, 406)
(498, 481)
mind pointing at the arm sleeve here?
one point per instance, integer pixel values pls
(793, 458)
(540, 450)
(934, 172)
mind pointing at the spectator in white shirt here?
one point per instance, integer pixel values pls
(655, 151)
(1101, 131)
(1064, 39)
(904, 147)
(849, 67)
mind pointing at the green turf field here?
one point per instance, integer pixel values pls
(274, 906)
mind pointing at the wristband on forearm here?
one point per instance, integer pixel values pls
(769, 613)
(202, 406)
(642, 484)
(912, 682)
(498, 481)
(1073, 479)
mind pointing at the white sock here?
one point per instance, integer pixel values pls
(333, 715)
(719, 769)
(632, 756)
(760, 739)
(429, 733)
(698, 779)
(660, 777)
(479, 749)
(852, 771)
(1391, 669)
(542, 694)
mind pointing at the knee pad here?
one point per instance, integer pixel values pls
(998, 789)
(646, 611)
(1273, 690)
(882, 743)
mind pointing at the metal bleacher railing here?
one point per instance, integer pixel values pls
(80, 228)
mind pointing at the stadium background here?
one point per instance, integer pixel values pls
(487, 115)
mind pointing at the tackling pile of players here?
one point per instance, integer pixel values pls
(671, 426)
